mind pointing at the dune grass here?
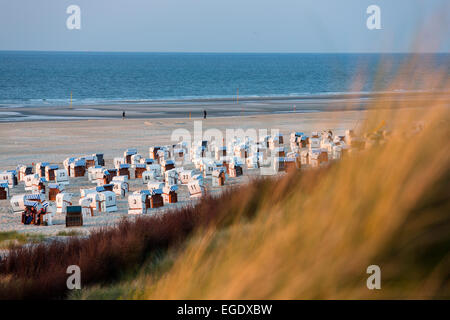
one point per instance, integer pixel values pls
(71, 233)
(11, 238)
(131, 283)
(39, 271)
(314, 235)
(157, 264)
(310, 234)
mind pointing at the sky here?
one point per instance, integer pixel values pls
(226, 26)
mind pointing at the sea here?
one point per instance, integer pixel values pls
(89, 78)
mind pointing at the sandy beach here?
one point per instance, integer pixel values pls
(54, 141)
(52, 134)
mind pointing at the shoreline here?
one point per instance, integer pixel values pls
(226, 98)
(223, 107)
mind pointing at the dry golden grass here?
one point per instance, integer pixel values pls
(315, 233)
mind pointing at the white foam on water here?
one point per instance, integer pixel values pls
(10, 113)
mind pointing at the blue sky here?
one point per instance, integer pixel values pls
(226, 26)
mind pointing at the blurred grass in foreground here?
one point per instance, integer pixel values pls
(314, 233)
(387, 206)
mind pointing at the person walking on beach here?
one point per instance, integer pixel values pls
(123, 115)
(204, 114)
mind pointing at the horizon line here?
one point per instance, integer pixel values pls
(234, 52)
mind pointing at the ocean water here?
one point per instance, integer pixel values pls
(48, 78)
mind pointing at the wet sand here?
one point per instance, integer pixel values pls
(216, 107)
